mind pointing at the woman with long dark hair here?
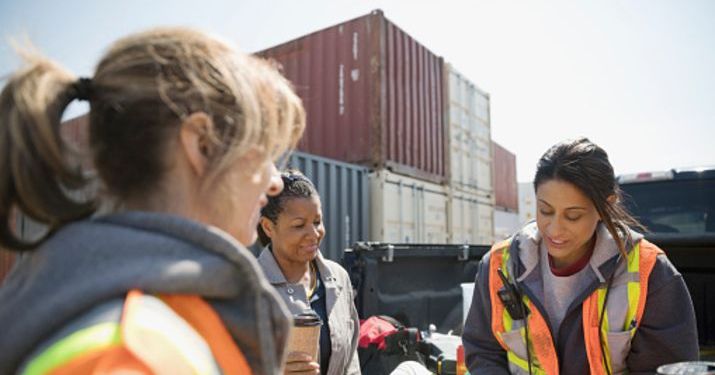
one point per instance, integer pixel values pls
(579, 291)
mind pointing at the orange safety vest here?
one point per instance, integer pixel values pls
(639, 264)
(164, 334)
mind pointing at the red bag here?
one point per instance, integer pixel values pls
(374, 329)
(384, 343)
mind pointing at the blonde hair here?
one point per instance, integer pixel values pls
(142, 89)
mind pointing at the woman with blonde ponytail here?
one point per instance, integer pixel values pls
(183, 136)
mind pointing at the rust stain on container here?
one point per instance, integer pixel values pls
(373, 96)
(506, 194)
(6, 260)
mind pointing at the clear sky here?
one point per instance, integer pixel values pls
(635, 76)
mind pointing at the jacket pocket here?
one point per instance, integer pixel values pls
(619, 345)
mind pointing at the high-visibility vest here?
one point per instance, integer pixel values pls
(639, 264)
(164, 334)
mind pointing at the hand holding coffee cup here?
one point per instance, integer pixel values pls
(304, 344)
(301, 363)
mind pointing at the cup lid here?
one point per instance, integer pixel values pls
(307, 318)
(686, 368)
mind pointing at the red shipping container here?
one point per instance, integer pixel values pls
(506, 194)
(373, 96)
(7, 258)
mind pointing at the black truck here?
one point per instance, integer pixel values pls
(678, 209)
(419, 284)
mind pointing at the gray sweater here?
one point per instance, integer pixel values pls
(97, 260)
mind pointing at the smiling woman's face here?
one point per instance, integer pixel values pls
(567, 221)
(298, 230)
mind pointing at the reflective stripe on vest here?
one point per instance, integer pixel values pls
(640, 262)
(169, 334)
(511, 334)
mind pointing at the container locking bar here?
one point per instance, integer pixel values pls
(390, 255)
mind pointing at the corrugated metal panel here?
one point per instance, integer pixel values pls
(470, 155)
(505, 188)
(373, 95)
(527, 202)
(343, 190)
(505, 224)
(404, 209)
(471, 218)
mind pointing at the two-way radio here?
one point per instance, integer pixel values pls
(515, 306)
(511, 298)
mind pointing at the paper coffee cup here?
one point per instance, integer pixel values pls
(305, 334)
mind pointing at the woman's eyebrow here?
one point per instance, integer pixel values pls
(576, 208)
(567, 208)
(545, 202)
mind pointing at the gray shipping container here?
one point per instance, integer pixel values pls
(344, 194)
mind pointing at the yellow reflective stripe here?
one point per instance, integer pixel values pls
(509, 324)
(505, 261)
(634, 258)
(524, 364)
(634, 293)
(634, 289)
(604, 327)
(96, 337)
(515, 359)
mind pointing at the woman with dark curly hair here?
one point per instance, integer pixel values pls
(291, 228)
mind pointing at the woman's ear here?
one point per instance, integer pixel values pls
(267, 226)
(195, 135)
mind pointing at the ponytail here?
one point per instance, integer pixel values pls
(36, 177)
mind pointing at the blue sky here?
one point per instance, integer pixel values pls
(635, 76)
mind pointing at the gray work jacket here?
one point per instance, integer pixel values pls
(343, 319)
(90, 262)
(667, 332)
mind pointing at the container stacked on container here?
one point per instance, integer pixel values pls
(345, 199)
(471, 202)
(407, 210)
(527, 202)
(506, 194)
(375, 96)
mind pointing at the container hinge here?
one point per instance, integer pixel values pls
(463, 253)
(390, 255)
